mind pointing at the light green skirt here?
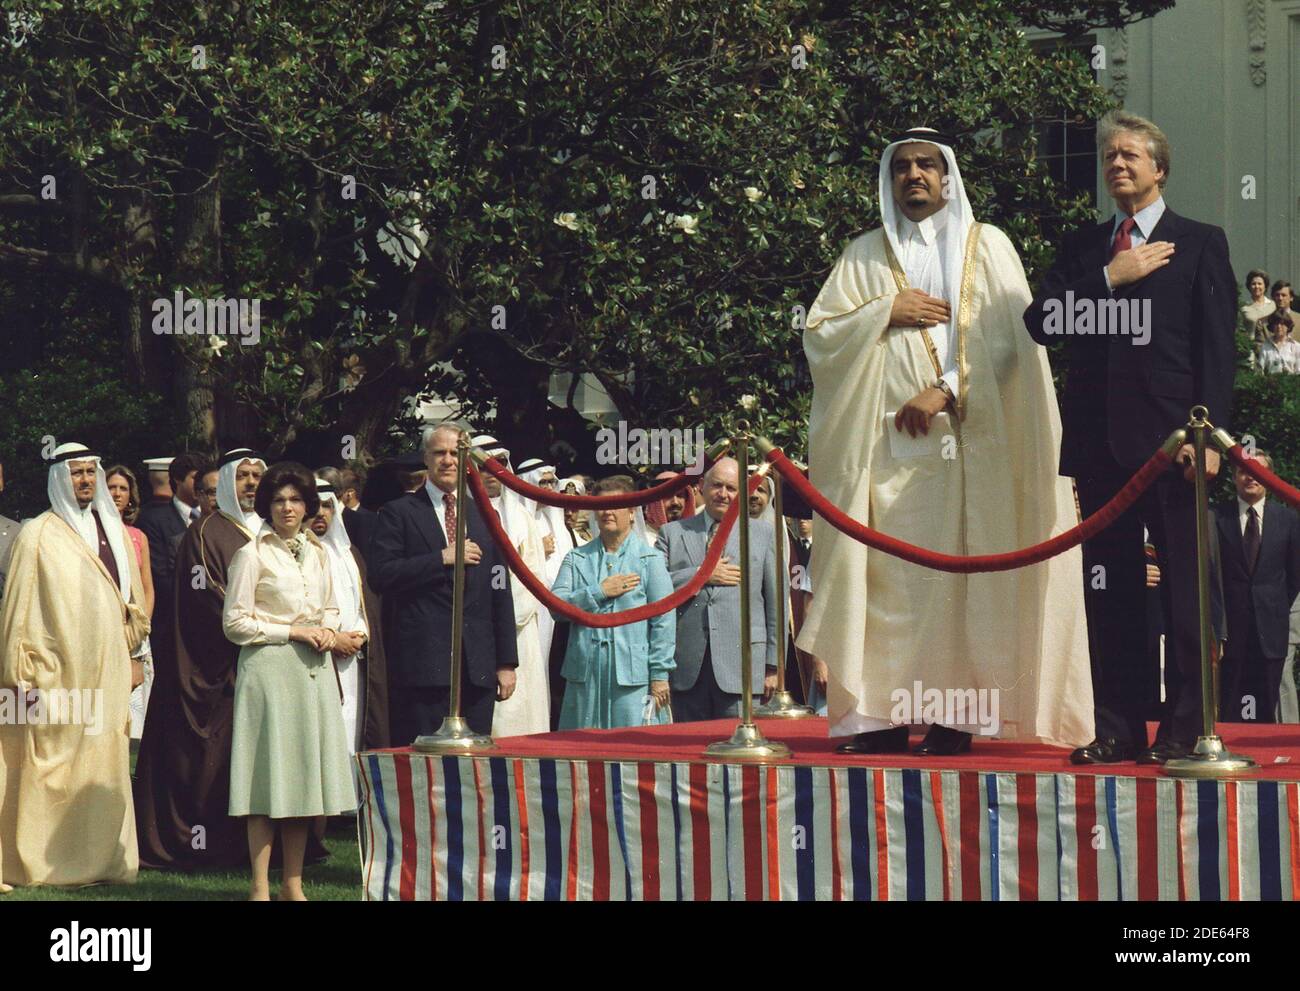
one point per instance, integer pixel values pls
(289, 750)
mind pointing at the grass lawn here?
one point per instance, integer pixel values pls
(337, 879)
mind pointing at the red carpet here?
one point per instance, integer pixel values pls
(685, 743)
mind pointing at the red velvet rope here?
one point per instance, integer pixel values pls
(603, 620)
(1237, 455)
(614, 500)
(962, 564)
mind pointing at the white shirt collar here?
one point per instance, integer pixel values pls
(1243, 507)
(183, 509)
(1146, 218)
(927, 230)
(436, 494)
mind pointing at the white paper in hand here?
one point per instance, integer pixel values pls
(903, 445)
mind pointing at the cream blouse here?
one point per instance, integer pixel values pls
(268, 593)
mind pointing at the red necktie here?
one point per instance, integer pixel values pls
(449, 501)
(1122, 240)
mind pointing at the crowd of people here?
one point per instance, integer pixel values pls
(258, 625)
(1268, 322)
(269, 626)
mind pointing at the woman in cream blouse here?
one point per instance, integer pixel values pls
(289, 752)
(1250, 322)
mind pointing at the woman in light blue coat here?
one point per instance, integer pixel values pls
(610, 672)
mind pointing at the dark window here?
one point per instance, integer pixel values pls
(1067, 148)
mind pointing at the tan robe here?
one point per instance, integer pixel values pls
(65, 789)
(882, 624)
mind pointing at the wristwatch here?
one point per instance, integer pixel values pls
(942, 386)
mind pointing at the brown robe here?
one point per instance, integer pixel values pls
(373, 704)
(182, 777)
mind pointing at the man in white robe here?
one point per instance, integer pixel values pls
(71, 618)
(556, 541)
(528, 710)
(354, 625)
(935, 422)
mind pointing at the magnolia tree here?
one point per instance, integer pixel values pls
(282, 220)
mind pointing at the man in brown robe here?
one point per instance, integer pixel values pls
(182, 778)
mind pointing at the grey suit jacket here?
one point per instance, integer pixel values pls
(8, 533)
(712, 618)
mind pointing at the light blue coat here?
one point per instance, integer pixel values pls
(642, 652)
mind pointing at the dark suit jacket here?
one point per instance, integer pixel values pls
(160, 522)
(1269, 592)
(1124, 399)
(360, 526)
(406, 569)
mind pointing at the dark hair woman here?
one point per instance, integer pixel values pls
(289, 752)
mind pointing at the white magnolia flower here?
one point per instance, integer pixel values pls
(686, 223)
(215, 344)
(569, 220)
(263, 219)
(753, 194)
(748, 403)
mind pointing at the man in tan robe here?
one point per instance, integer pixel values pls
(69, 623)
(935, 422)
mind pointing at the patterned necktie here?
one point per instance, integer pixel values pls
(713, 528)
(449, 501)
(1122, 240)
(1250, 539)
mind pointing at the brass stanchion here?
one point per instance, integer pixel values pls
(782, 704)
(455, 734)
(1209, 758)
(747, 742)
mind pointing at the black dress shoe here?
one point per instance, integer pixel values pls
(1104, 751)
(881, 741)
(1164, 750)
(941, 741)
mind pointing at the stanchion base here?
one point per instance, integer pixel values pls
(1208, 759)
(453, 736)
(783, 706)
(748, 743)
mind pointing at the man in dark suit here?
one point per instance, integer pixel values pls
(8, 533)
(412, 562)
(1259, 542)
(1145, 305)
(164, 521)
(357, 520)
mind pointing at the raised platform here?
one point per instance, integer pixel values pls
(639, 814)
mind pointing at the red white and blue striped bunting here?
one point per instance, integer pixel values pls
(483, 828)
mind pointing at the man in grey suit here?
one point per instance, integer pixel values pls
(8, 532)
(706, 681)
(1288, 709)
